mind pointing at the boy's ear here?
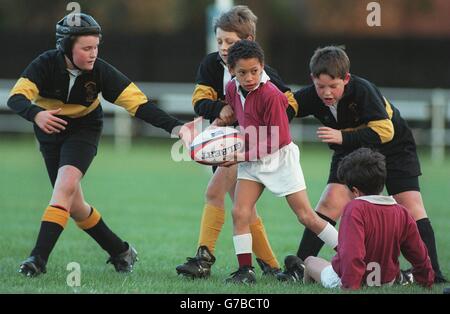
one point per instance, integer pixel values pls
(355, 192)
(347, 78)
(250, 37)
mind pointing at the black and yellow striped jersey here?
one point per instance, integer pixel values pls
(44, 85)
(209, 94)
(365, 116)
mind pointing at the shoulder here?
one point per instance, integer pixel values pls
(354, 208)
(48, 58)
(306, 94)
(362, 86)
(49, 55)
(104, 68)
(104, 65)
(270, 90)
(212, 57)
(42, 67)
(271, 72)
(211, 60)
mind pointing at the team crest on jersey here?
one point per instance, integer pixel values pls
(91, 91)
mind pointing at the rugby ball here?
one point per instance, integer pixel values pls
(217, 145)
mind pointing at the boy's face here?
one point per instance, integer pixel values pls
(85, 51)
(330, 90)
(224, 42)
(248, 73)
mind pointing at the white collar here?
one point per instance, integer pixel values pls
(264, 79)
(378, 199)
(74, 72)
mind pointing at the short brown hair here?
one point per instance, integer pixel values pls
(240, 20)
(330, 60)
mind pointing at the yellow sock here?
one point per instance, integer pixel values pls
(91, 221)
(211, 225)
(261, 246)
(56, 215)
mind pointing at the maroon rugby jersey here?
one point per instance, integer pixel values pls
(264, 109)
(377, 229)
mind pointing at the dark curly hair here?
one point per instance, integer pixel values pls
(364, 169)
(245, 49)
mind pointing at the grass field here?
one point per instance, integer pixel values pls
(156, 204)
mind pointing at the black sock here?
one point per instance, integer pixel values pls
(427, 235)
(107, 239)
(310, 244)
(48, 235)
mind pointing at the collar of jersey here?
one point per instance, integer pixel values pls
(378, 199)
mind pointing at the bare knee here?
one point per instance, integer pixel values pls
(80, 210)
(67, 187)
(240, 215)
(67, 184)
(309, 260)
(215, 195)
(333, 205)
(305, 217)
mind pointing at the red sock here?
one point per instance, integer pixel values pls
(245, 259)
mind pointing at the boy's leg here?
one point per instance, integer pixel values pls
(313, 269)
(123, 256)
(261, 246)
(54, 220)
(330, 207)
(213, 218)
(322, 272)
(247, 194)
(412, 200)
(299, 203)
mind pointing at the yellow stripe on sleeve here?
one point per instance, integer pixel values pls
(25, 87)
(292, 102)
(131, 98)
(384, 129)
(203, 92)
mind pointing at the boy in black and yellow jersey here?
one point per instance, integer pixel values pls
(58, 92)
(209, 102)
(355, 114)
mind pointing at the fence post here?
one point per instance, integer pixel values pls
(438, 117)
(122, 130)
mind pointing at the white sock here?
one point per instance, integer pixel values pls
(243, 243)
(329, 235)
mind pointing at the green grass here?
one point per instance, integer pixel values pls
(156, 204)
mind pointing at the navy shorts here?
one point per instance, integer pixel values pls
(75, 146)
(403, 170)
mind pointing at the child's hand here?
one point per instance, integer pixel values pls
(189, 131)
(49, 123)
(218, 122)
(228, 164)
(227, 115)
(238, 157)
(329, 135)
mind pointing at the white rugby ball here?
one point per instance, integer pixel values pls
(215, 146)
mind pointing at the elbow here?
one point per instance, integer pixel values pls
(16, 101)
(197, 108)
(384, 129)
